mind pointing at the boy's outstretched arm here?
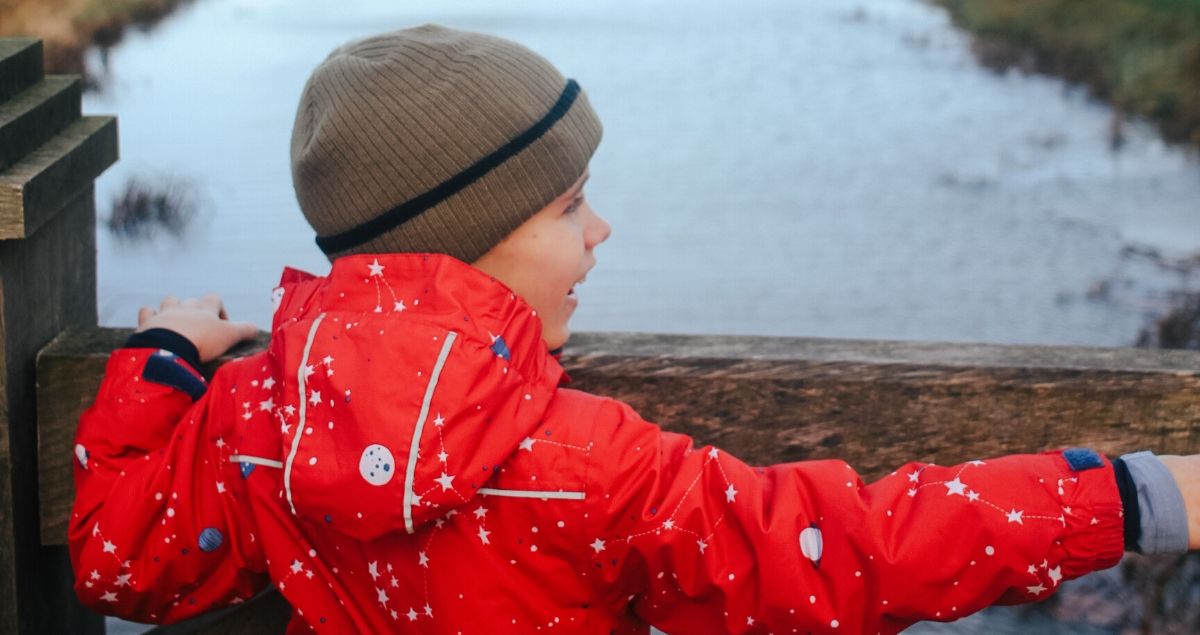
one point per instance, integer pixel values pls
(156, 532)
(690, 539)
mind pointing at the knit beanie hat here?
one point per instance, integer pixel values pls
(434, 140)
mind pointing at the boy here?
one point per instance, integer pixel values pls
(402, 458)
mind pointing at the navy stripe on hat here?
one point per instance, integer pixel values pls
(412, 208)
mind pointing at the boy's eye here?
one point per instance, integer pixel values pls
(574, 205)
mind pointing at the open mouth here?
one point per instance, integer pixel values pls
(571, 291)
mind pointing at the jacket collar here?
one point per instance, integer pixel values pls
(436, 287)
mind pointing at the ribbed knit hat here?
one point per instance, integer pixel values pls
(435, 140)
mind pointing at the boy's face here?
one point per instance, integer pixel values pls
(547, 256)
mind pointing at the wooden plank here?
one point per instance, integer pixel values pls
(34, 189)
(879, 404)
(20, 65)
(47, 284)
(815, 349)
(8, 529)
(771, 400)
(67, 386)
(34, 116)
(768, 400)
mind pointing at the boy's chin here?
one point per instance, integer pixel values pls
(555, 341)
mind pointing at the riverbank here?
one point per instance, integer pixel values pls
(69, 27)
(1143, 56)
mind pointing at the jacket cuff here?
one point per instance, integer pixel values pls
(1094, 536)
(1162, 519)
(168, 340)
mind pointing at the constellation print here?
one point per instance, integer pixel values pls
(562, 497)
(376, 275)
(956, 487)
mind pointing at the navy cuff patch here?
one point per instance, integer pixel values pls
(166, 368)
(1081, 459)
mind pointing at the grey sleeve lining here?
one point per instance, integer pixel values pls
(1164, 517)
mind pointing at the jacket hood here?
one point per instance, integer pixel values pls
(402, 382)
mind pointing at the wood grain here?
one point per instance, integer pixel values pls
(36, 115)
(20, 65)
(47, 284)
(767, 400)
(772, 400)
(36, 187)
(879, 404)
(48, 162)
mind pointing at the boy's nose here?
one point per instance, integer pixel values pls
(598, 230)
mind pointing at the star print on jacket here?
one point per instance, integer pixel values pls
(419, 470)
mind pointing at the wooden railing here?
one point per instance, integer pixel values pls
(50, 157)
(767, 400)
(771, 400)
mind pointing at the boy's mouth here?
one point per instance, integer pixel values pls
(571, 291)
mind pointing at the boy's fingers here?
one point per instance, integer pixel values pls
(144, 313)
(213, 301)
(168, 302)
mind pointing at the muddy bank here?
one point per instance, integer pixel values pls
(1143, 57)
(69, 27)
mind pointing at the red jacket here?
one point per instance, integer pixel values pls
(403, 459)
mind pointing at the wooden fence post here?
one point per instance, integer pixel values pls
(50, 157)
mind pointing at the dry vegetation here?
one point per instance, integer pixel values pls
(69, 27)
(1141, 55)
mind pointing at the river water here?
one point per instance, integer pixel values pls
(819, 168)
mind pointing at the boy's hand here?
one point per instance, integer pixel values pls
(203, 321)
(1186, 470)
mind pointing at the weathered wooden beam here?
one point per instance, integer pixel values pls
(879, 404)
(770, 400)
(47, 284)
(49, 158)
(38, 185)
(20, 65)
(35, 115)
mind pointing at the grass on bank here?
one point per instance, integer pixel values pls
(1142, 55)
